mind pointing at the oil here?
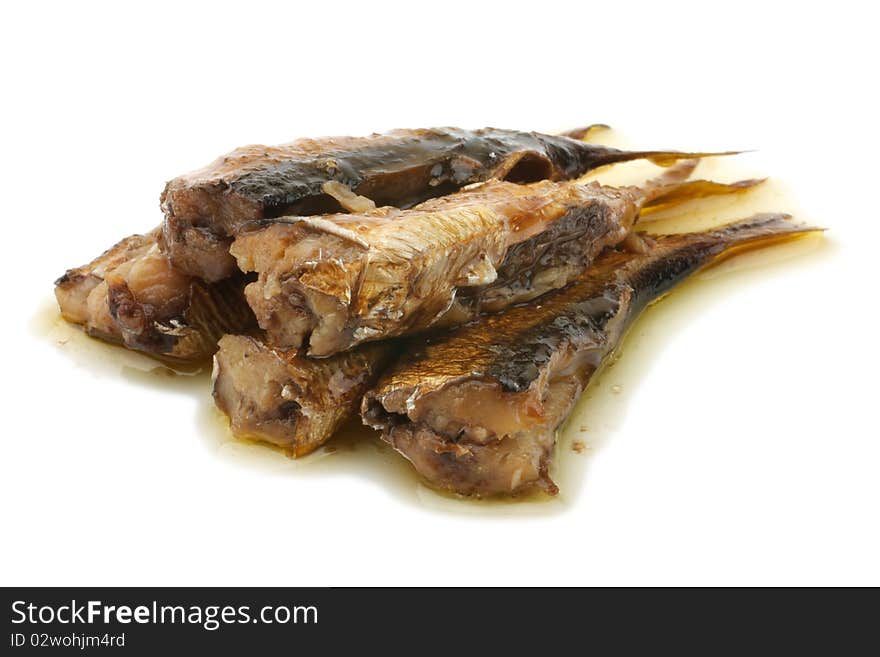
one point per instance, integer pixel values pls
(600, 412)
(357, 452)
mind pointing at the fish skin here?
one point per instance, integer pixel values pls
(280, 397)
(335, 281)
(131, 295)
(205, 208)
(534, 360)
(339, 280)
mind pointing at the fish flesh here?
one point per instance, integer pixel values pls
(331, 282)
(205, 208)
(280, 397)
(476, 411)
(131, 295)
(82, 292)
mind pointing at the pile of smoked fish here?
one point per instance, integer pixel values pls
(456, 288)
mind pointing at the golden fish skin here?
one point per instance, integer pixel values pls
(476, 411)
(280, 397)
(205, 208)
(335, 281)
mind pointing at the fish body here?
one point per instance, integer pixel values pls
(476, 411)
(281, 397)
(132, 295)
(332, 282)
(335, 281)
(205, 208)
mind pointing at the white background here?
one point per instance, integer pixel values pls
(743, 446)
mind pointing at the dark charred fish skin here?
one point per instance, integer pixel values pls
(280, 397)
(205, 208)
(476, 411)
(131, 295)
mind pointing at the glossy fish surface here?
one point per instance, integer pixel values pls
(476, 411)
(205, 208)
(331, 282)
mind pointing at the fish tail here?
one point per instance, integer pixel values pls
(757, 231)
(672, 187)
(673, 258)
(667, 182)
(694, 189)
(602, 156)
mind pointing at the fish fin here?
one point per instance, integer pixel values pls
(672, 187)
(756, 231)
(666, 183)
(674, 257)
(672, 194)
(668, 158)
(695, 189)
(584, 133)
(605, 156)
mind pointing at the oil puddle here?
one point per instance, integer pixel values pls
(104, 359)
(356, 451)
(604, 405)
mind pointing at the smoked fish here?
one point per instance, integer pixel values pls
(281, 397)
(131, 295)
(476, 411)
(204, 209)
(331, 282)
